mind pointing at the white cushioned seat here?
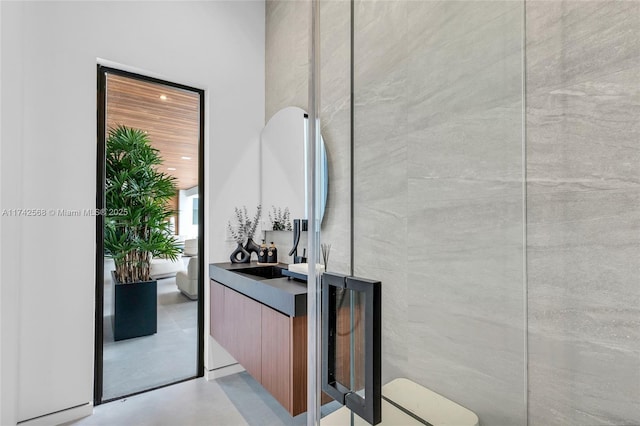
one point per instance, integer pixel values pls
(164, 268)
(187, 281)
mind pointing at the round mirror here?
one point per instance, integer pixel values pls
(283, 161)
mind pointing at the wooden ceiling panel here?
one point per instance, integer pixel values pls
(169, 115)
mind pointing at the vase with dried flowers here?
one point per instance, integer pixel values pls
(242, 232)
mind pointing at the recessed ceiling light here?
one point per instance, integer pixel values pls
(186, 158)
(171, 168)
(163, 97)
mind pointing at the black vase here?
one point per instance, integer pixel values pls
(252, 247)
(240, 255)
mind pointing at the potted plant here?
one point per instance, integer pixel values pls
(281, 219)
(243, 231)
(137, 228)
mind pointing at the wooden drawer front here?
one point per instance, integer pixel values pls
(216, 319)
(276, 355)
(235, 324)
(271, 346)
(242, 317)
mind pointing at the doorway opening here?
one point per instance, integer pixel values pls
(168, 119)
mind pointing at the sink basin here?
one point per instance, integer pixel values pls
(263, 283)
(261, 272)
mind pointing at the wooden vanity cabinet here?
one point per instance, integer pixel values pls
(284, 359)
(271, 346)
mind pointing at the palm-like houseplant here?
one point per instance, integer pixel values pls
(137, 226)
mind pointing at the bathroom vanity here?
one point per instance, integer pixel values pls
(259, 317)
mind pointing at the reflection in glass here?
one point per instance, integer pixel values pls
(350, 344)
(349, 349)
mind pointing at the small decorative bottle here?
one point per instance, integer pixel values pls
(262, 253)
(272, 254)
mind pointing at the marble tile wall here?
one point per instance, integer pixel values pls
(287, 55)
(583, 212)
(287, 72)
(380, 172)
(439, 193)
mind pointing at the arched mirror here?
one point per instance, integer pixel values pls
(283, 161)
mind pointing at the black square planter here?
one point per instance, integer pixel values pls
(135, 309)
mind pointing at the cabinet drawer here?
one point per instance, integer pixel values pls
(276, 355)
(235, 324)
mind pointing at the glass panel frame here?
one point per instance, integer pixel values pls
(367, 404)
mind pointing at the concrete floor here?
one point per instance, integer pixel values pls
(168, 356)
(192, 403)
(258, 407)
(229, 401)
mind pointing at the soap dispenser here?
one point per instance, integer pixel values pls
(262, 253)
(272, 254)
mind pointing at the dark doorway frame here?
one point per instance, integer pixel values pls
(100, 204)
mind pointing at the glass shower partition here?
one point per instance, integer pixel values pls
(422, 111)
(438, 195)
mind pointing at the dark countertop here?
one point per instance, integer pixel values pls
(280, 293)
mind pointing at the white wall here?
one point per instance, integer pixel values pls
(10, 194)
(49, 156)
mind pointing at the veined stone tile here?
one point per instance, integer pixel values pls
(286, 85)
(444, 22)
(583, 63)
(463, 225)
(380, 41)
(466, 66)
(435, 191)
(335, 55)
(287, 55)
(483, 149)
(450, 349)
(380, 151)
(395, 336)
(584, 267)
(336, 224)
(577, 383)
(585, 136)
(382, 187)
(477, 297)
(380, 238)
(569, 42)
(439, 173)
(494, 292)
